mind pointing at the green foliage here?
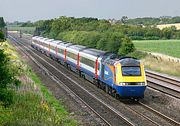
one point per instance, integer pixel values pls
(1, 36)
(137, 54)
(30, 104)
(27, 24)
(30, 109)
(2, 23)
(126, 47)
(106, 41)
(90, 32)
(7, 79)
(154, 21)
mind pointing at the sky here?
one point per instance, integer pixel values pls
(33, 10)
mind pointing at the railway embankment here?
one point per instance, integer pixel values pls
(32, 103)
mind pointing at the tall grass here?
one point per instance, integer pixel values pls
(162, 66)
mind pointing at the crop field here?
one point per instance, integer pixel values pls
(29, 30)
(167, 47)
(177, 25)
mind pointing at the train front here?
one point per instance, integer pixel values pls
(130, 78)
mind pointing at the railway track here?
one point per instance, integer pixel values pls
(135, 111)
(107, 108)
(170, 86)
(162, 83)
(173, 122)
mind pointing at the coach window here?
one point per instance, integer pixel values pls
(53, 47)
(87, 62)
(60, 51)
(39, 42)
(72, 55)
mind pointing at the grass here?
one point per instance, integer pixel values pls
(33, 104)
(154, 64)
(167, 47)
(161, 66)
(29, 30)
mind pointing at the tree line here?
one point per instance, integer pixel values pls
(90, 32)
(153, 21)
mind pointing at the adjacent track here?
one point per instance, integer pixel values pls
(168, 85)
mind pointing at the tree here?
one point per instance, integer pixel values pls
(2, 23)
(1, 36)
(124, 19)
(126, 47)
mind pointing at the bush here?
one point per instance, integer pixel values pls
(1, 36)
(7, 79)
(126, 47)
(6, 96)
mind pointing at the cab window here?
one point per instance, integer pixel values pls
(131, 71)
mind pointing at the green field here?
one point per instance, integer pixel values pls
(29, 30)
(167, 47)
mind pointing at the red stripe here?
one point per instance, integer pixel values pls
(78, 62)
(114, 74)
(96, 69)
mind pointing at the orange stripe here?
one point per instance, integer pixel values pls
(65, 55)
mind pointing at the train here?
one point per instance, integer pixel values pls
(119, 76)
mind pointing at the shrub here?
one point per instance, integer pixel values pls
(1, 36)
(126, 47)
(7, 79)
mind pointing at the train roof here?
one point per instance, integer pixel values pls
(129, 62)
(77, 47)
(57, 41)
(64, 44)
(93, 52)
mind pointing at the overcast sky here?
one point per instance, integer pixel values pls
(24, 10)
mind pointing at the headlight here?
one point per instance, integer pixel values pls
(140, 83)
(122, 83)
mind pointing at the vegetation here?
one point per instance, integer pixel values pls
(1, 36)
(162, 66)
(8, 79)
(153, 21)
(29, 30)
(2, 29)
(29, 103)
(90, 32)
(2, 23)
(52, 28)
(167, 47)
